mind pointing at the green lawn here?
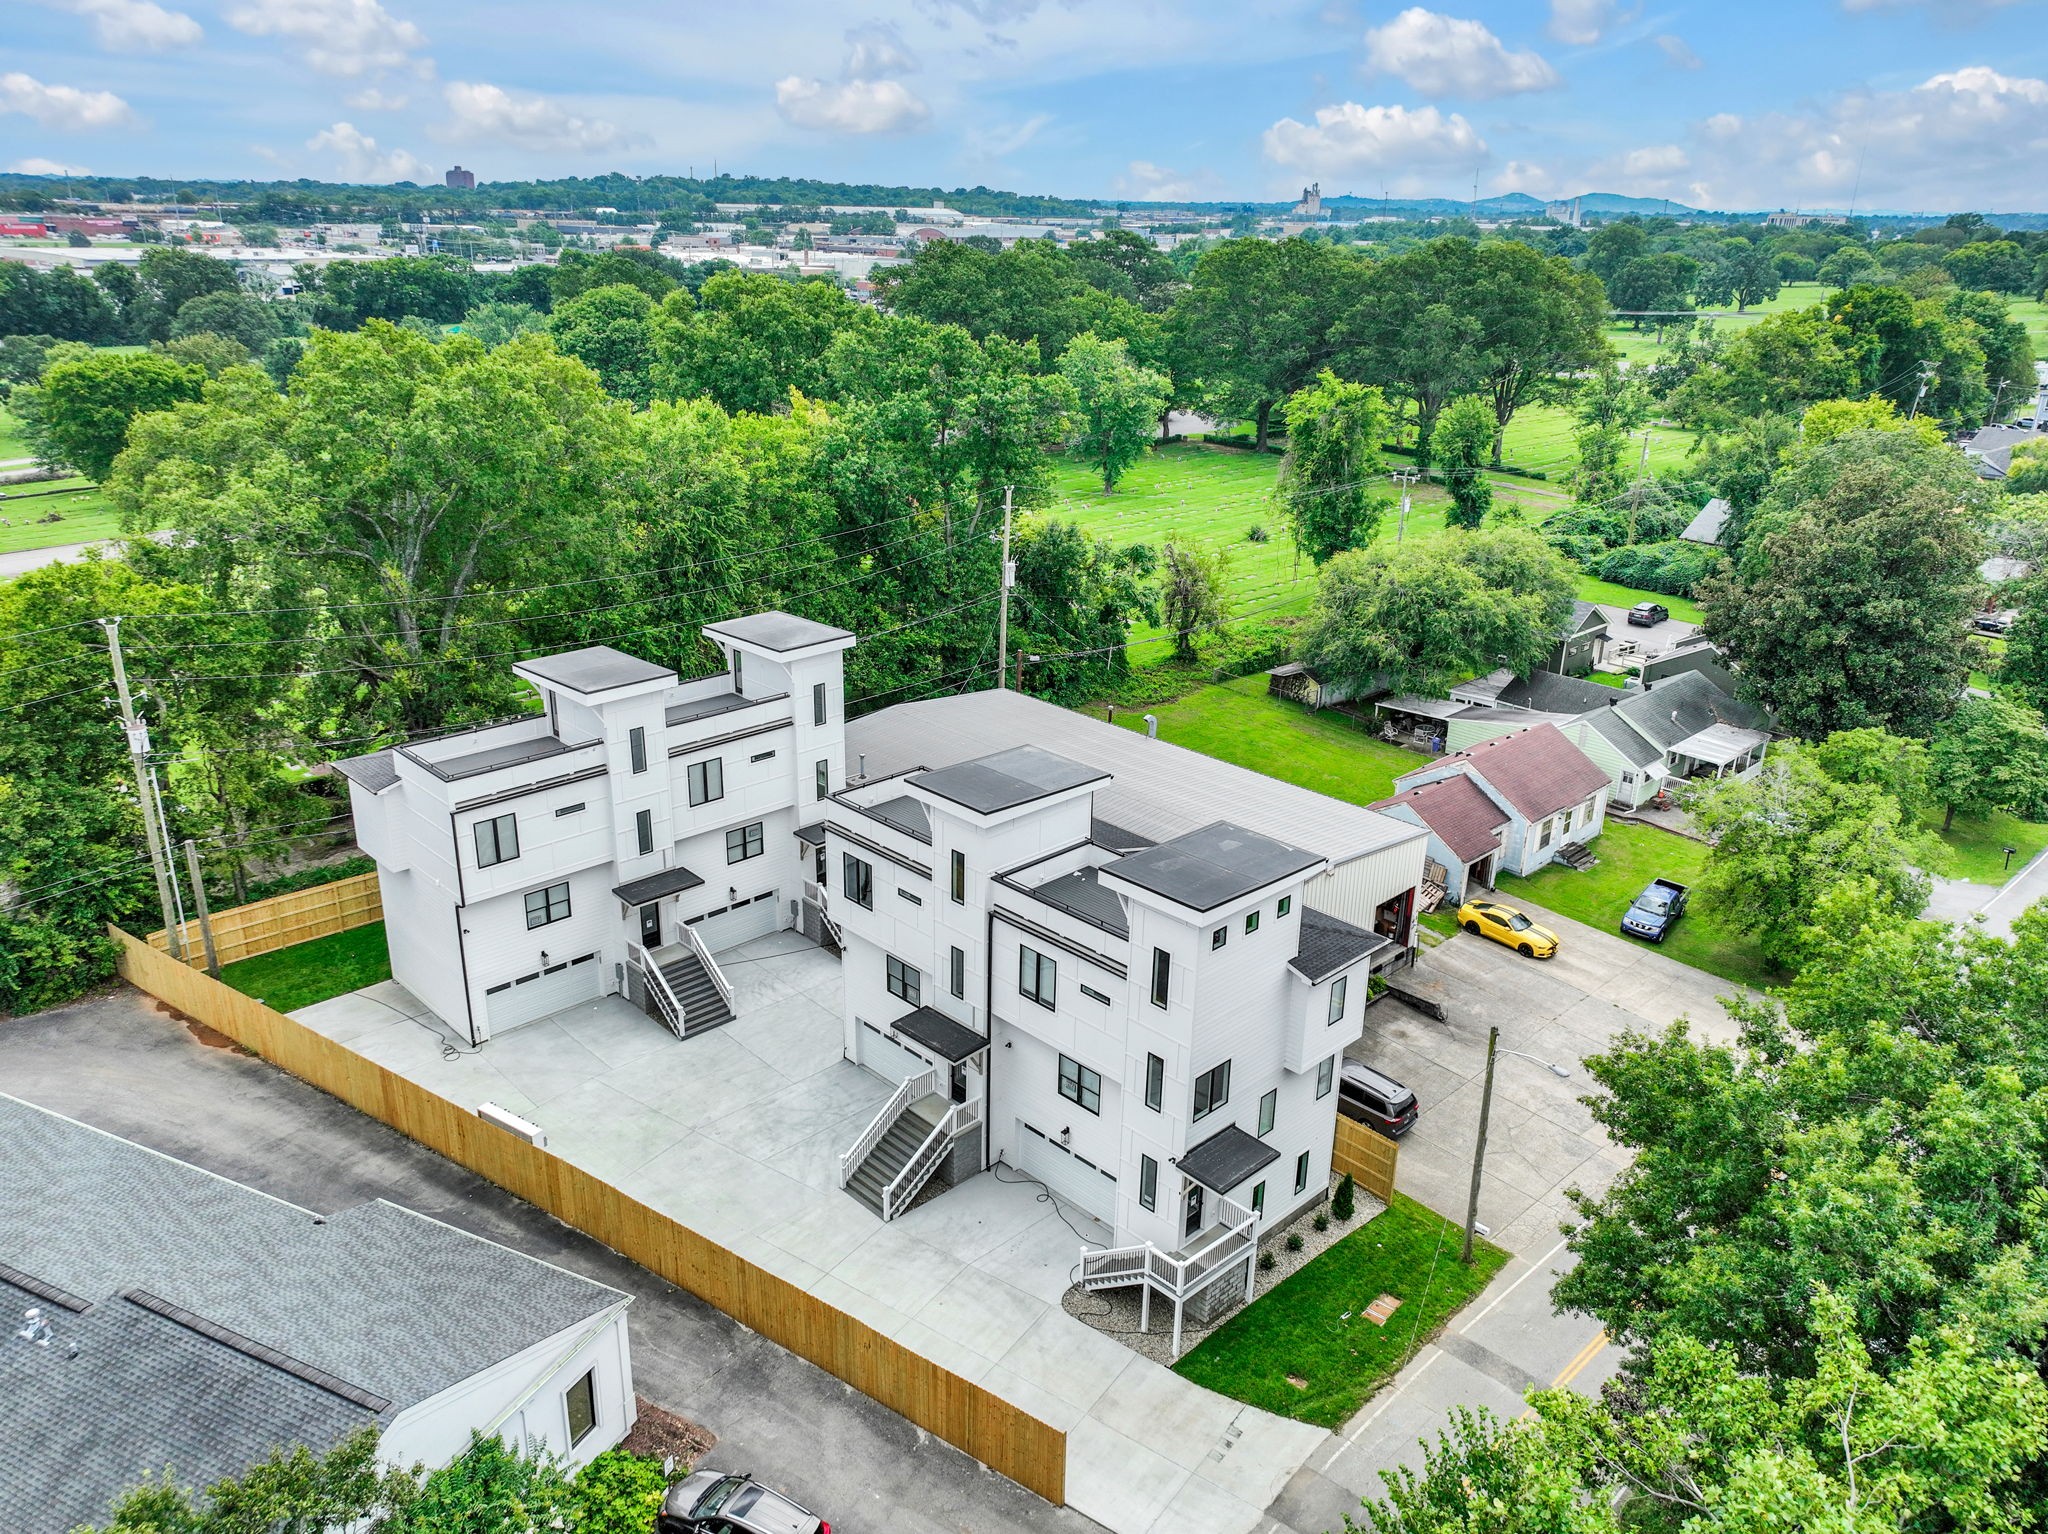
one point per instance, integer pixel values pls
(1589, 589)
(1630, 857)
(1313, 1326)
(1546, 437)
(84, 509)
(1979, 845)
(308, 972)
(1237, 722)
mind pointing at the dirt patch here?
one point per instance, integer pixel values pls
(660, 1433)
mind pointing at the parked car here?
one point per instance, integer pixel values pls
(718, 1502)
(1504, 924)
(1655, 911)
(1376, 1101)
(1999, 622)
(1647, 615)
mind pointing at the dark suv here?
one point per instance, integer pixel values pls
(716, 1502)
(1376, 1101)
(1647, 615)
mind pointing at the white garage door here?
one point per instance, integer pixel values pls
(887, 1058)
(736, 923)
(1073, 1178)
(547, 990)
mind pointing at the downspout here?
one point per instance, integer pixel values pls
(988, 1011)
(461, 945)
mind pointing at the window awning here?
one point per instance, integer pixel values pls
(939, 1033)
(1227, 1158)
(814, 833)
(670, 881)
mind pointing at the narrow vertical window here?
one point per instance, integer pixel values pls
(636, 743)
(643, 824)
(1155, 1082)
(1337, 989)
(1301, 1172)
(817, 703)
(959, 865)
(1269, 1108)
(1258, 1198)
(1148, 1182)
(738, 673)
(824, 779)
(1162, 975)
(960, 972)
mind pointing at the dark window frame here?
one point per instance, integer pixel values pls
(643, 830)
(636, 748)
(904, 981)
(957, 971)
(1081, 1086)
(1162, 977)
(1269, 1111)
(1326, 1077)
(857, 880)
(752, 844)
(1038, 976)
(1219, 937)
(494, 830)
(1155, 1083)
(825, 779)
(1251, 922)
(548, 914)
(585, 1391)
(957, 865)
(1301, 1172)
(1212, 1090)
(704, 782)
(1148, 1183)
(817, 703)
(1286, 905)
(1340, 989)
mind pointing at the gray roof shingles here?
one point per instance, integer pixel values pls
(1458, 810)
(373, 773)
(1329, 943)
(1695, 702)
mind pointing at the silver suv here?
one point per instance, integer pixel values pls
(717, 1502)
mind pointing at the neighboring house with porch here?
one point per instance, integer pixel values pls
(1525, 798)
(1579, 641)
(160, 1318)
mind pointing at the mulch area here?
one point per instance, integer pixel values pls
(660, 1433)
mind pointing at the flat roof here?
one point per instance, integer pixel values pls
(595, 668)
(1080, 894)
(706, 708)
(1004, 780)
(1227, 1158)
(777, 631)
(513, 753)
(670, 881)
(1212, 866)
(940, 1034)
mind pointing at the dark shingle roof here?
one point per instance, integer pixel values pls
(1537, 770)
(1585, 615)
(1696, 702)
(374, 773)
(777, 631)
(1003, 781)
(906, 814)
(1547, 692)
(940, 1034)
(1612, 728)
(1212, 866)
(1457, 809)
(669, 881)
(1114, 838)
(1329, 943)
(512, 753)
(1227, 1158)
(595, 668)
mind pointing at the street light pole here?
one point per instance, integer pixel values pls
(138, 757)
(1003, 621)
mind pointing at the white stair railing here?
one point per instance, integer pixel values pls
(926, 1158)
(908, 1091)
(723, 985)
(665, 1000)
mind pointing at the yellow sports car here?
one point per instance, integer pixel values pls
(1504, 924)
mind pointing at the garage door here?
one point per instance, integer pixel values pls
(1074, 1178)
(887, 1058)
(535, 995)
(732, 925)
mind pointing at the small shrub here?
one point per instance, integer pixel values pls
(1257, 533)
(1345, 1204)
(1321, 1222)
(618, 1493)
(1294, 1241)
(1266, 1262)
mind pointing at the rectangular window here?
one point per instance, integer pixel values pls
(580, 1402)
(1037, 975)
(1094, 995)
(824, 779)
(1162, 975)
(1325, 1074)
(1212, 1090)
(743, 842)
(1251, 922)
(570, 809)
(762, 756)
(1081, 1085)
(1269, 1108)
(1544, 839)
(1301, 1172)
(707, 780)
(905, 983)
(959, 867)
(960, 972)
(817, 703)
(1337, 989)
(1286, 905)
(497, 840)
(1148, 1183)
(739, 662)
(548, 905)
(643, 828)
(1155, 1082)
(636, 744)
(903, 894)
(1258, 1198)
(1218, 938)
(859, 883)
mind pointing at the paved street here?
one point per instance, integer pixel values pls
(21, 561)
(120, 1063)
(2021, 891)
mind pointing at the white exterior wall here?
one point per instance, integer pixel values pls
(1576, 824)
(1354, 891)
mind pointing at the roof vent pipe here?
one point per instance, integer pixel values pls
(1151, 726)
(863, 766)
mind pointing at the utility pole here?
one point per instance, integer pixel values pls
(138, 756)
(1635, 491)
(1009, 578)
(1926, 378)
(1405, 478)
(199, 901)
(1479, 1151)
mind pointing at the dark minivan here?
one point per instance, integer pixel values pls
(1379, 1102)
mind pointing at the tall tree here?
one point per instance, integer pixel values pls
(81, 412)
(611, 331)
(749, 339)
(1540, 324)
(1990, 754)
(1332, 480)
(1412, 334)
(1191, 598)
(1464, 438)
(1115, 403)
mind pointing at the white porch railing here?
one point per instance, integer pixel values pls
(908, 1091)
(1180, 1276)
(665, 1000)
(960, 1118)
(696, 942)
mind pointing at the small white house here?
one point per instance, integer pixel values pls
(159, 1317)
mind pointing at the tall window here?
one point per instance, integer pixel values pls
(580, 1403)
(824, 779)
(1155, 1082)
(743, 842)
(636, 743)
(1148, 1182)
(548, 905)
(707, 780)
(859, 882)
(497, 840)
(1258, 1198)
(960, 972)
(1080, 1085)
(1162, 975)
(1301, 1172)
(1269, 1107)
(1337, 989)
(1325, 1074)
(905, 983)
(739, 675)
(817, 703)
(1037, 975)
(959, 869)
(1212, 1090)
(643, 827)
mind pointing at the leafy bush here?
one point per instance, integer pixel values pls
(1580, 548)
(1257, 533)
(1294, 1242)
(299, 879)
(1345, 1204)
(618, 1493)
(1267, 1261)
(1672, 567)
(1321, 1222)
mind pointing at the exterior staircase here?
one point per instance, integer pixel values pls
(704, 1006)
(1575, 855)
(907, 1132)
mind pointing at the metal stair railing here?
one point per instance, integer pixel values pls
(908, 1091)
(717, 975)
(925, 1159)
(665, 1000)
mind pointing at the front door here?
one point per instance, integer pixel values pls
(650, 926)
(959, 1083)
(1193, 1223)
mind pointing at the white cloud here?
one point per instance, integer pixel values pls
(1519, 176)
(1584, 22)
(1660, 160)
(375, 98)
(36, 165)
(135, 26)
(345, 38)
(850, 106)
(63, 106)
(1350, 137)
(1677, 51)
(1963, 7)
(493, 114)
(1448, 56)
(362, 160)
(877, 51)
(1145, 182)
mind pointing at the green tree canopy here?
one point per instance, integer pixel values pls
(1990, 754)
(611, 331)
(1332, 481)
(1116, 403)
(81, 411)
(239, 316)
(1463, 441)
(750, 339)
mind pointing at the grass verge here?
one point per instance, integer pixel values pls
(304, 973)
(87, 516)
(1979, 845)
(1312, 1326)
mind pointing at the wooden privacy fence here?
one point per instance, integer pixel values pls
(264, 926)
(972, 1419)
(1368, 1157)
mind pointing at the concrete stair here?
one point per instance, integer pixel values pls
(891, 1154)
(703, 1008)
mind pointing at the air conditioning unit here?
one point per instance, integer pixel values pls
(513, 1124)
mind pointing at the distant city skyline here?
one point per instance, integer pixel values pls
(1886, 104)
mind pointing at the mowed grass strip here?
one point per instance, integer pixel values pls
(85, 515)
(320, 970)
(1312, 1326)
(1979, 845)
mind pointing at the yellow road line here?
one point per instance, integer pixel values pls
(1585, 1356)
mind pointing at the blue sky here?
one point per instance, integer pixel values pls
(1907, 104)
